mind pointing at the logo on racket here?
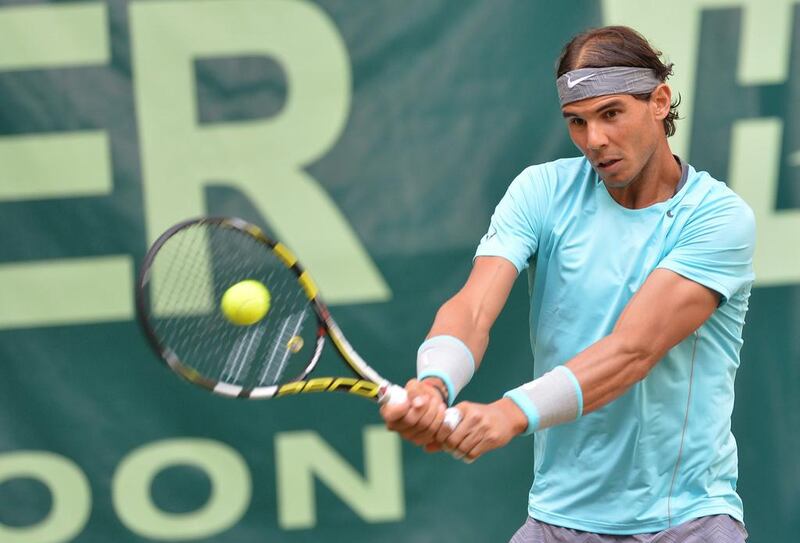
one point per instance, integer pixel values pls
(350, 385)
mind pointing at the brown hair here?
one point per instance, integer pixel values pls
(617, 46)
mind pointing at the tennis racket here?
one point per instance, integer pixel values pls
(178, 295)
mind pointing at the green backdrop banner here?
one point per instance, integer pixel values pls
(374, 138)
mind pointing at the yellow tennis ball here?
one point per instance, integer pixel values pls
(245, 302)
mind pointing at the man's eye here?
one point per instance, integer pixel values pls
(576, 121)
(610, 114)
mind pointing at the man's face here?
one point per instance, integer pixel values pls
(617, 133)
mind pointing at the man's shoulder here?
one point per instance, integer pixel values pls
(711, 195)
(563, 167)
(715, 211)
(559, 174)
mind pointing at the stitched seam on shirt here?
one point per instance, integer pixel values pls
(683, 431)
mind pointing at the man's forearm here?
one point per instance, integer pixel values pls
(454, 318)
(608, 368)
(667, 309)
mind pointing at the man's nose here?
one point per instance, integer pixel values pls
(595, 137)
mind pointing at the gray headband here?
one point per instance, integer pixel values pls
(590, 82)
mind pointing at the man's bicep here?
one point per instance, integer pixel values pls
(470, 314)
(482, 297)
(666, 310)
(488, 287)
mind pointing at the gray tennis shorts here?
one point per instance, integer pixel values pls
(712, 529)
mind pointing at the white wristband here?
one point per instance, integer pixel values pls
(554, 398)
(447, 358)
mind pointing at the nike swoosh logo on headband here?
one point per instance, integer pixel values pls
(571, 83)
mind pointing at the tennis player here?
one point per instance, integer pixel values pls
(640, 270)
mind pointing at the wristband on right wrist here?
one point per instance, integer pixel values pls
(449, 359)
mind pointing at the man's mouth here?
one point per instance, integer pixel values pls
(608, 163)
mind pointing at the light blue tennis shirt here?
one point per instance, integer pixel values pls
(662, 453)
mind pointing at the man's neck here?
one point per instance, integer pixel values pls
(656, 182)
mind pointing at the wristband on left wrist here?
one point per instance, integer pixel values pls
(554, 398)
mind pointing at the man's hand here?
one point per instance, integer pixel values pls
(483, 428)
(419, 418)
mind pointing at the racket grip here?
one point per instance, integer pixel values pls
(452, 418)
(394, 395)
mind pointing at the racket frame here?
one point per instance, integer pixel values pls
(368, 383)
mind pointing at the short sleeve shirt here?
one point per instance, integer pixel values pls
(663, 452)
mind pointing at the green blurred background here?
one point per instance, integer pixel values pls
(374, 138)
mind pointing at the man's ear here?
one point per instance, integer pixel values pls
(661, 99)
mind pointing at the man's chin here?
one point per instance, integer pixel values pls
(617, 184)
(613, 182)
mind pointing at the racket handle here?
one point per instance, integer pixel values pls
(394, 395)
(452, 418)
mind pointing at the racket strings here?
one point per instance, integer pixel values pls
(283, 325)
(258, 346)
(191, 272)
(185, 284)
(191, 264)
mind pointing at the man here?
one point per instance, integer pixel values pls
(643, 269)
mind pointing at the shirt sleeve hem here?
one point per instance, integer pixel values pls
(707, 282)
(520, 266)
